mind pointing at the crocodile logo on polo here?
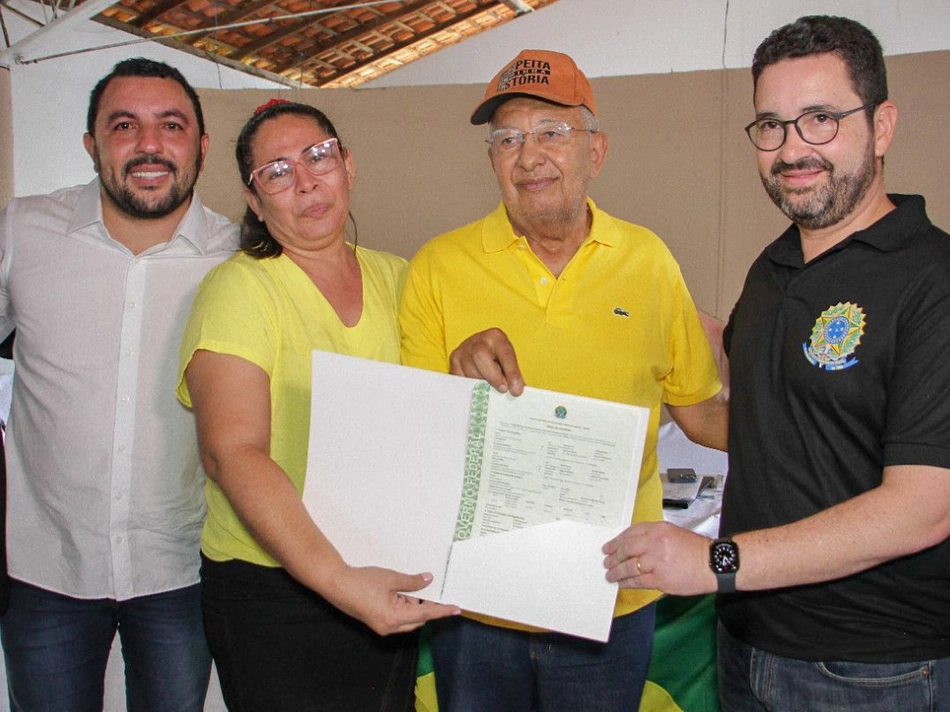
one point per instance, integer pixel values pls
(835, 337)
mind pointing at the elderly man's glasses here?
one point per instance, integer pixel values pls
(549, 134)
(814, 127)
(276, 176)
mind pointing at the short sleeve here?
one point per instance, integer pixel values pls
(233, 313)
(421, 321)
(694, 376)
(917, 430)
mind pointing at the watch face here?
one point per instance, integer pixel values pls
(724, 557)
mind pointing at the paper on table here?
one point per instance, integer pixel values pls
(387, 463)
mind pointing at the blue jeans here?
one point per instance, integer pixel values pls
(56, 649)
(753, 680)
(480, 667)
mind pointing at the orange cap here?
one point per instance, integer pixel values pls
(540, 73)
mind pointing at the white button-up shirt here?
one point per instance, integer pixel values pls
(105, 488)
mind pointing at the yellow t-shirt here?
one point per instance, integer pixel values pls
(617, 324)
(269, 312)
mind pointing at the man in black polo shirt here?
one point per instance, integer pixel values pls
(836, 578)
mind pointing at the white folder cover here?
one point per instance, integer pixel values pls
(506, 501)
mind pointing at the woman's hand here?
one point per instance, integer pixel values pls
(374, 596)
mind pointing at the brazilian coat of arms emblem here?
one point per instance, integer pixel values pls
(835, 336)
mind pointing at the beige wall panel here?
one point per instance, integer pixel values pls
(678, 163)
(919, 158)
(750, 220)
(663, 168)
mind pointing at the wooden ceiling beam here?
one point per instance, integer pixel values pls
(282, 33)
(313, 43)
(242, 11)
(158, 9)
(337, 37)
(245, 10)
(437, 27)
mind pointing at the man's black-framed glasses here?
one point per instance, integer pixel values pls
(814, 127)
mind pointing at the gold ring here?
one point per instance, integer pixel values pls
(639, 570)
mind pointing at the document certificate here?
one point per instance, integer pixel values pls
(506, 501)
(535, 460)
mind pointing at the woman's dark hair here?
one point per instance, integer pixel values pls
(256, 239)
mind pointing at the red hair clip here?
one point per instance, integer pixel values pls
(269, 104)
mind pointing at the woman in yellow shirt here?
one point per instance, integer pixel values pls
(291, 626)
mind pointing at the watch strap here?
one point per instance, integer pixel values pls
(726, 583)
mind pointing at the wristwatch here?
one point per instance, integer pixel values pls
(724, 562)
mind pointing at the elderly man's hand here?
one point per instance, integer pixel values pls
(489, 355)
(662, 556)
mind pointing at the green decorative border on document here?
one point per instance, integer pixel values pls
(474, 451)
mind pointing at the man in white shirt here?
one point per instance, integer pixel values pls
(105, 488)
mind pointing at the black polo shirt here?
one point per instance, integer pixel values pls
(839, 368)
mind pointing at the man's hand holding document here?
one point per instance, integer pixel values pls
(506, 500)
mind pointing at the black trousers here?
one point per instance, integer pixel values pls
(277, 645)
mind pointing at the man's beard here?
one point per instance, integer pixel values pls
(138, 205)
(821, 206)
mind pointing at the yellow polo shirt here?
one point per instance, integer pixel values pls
(617, 324)
(270, 313)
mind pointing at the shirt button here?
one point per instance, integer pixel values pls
(544, 280)
(125, 399)
(132, 305)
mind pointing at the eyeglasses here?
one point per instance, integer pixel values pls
(814, 127)
(549, 134)
(276, 176)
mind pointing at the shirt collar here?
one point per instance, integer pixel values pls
(889, 234)
(88, 209)
(193, 227)
(498, 233)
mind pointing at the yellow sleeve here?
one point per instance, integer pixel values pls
(421, 318)
(232, 314)
(694, 376)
